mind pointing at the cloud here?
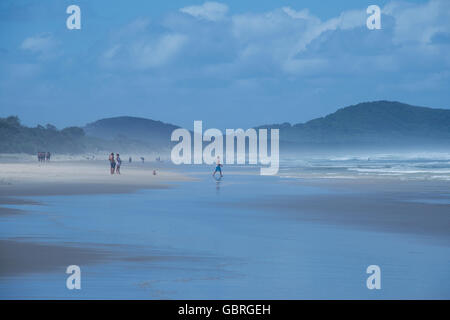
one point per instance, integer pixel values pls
(212, 11)
(43, 45)
(112, 52)
(207, 55)
(419, 23)
(137, 26)
(282, 42)
(136, 46)
(149, 54)
(302, 14)
(284, 35)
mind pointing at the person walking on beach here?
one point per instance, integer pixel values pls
(218, 167)
(112, 162)
(119, 163)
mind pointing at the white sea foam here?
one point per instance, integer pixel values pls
(403, 166)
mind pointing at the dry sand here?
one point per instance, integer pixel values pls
(82, 177)
(75, 177)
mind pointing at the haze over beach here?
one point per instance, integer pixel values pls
(173, 232)
(133, 146)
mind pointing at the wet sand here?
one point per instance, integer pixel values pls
(415, 207)
(23, 256)
(19, 257)
(25, 179)
(13, 201)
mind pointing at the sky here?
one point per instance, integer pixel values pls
(229, 63)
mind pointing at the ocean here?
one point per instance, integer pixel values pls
(405, 166)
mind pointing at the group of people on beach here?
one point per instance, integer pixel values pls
(115, 163)
(43, 156)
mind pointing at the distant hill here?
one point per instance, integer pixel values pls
(16, 138)
(378, 123)
(139, 130)
(122, 134)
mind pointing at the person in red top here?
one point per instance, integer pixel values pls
(112, 162)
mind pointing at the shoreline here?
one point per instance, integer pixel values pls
(162, 233)
(25, 179)
(61, 178)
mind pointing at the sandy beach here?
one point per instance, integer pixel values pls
(80, 177)
(24, 179)
(182, 234)
(18, 179)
